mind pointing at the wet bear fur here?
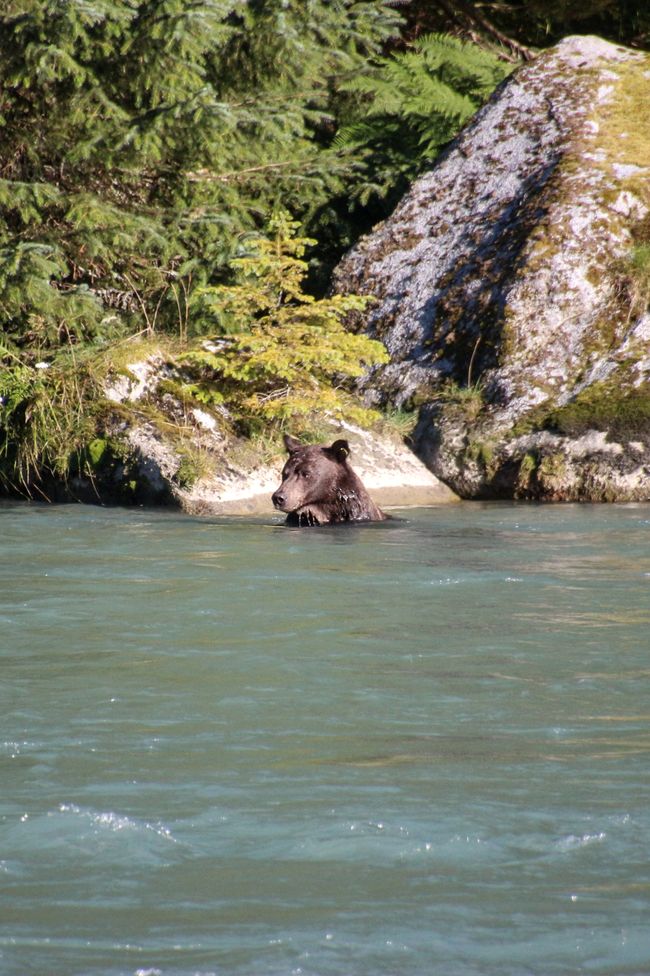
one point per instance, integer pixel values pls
(320, 488)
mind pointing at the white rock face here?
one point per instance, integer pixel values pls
(503, 263)
(187, 457)
(393, 475)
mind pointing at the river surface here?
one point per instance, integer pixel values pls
(418, 748)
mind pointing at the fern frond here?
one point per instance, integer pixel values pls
(411, 104)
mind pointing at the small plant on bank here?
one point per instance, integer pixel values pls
(470, 399)
(277, 354)
(403, 422)
(638, 271)
(46, 419)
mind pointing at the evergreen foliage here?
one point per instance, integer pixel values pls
(142, 137)
(275, 356)
(278, 354)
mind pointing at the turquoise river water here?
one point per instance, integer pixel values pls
(418, 748)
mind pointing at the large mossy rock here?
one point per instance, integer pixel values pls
(512, 286)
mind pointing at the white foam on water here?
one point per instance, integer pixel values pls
(574, 842)
(116, 822)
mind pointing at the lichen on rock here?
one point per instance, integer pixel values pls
(507, 270)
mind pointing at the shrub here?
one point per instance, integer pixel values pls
(277, 353)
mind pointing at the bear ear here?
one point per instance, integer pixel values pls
(340, 450)
(292, 445)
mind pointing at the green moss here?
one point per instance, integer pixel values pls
(623, 412)
(552, 469)
(640, 259)
(483, 453)
(173, 388)
(107, 465)
(624, 124)
(625, 415)
(534, 420)
(639, 272)
(96, 451)
(527, 469)
(189, 472)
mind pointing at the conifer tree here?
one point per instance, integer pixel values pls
(142, 137)
(276, 353)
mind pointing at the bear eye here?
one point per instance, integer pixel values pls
(304, 473)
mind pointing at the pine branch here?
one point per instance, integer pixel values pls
(205, 176)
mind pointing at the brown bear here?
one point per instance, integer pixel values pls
(320, 488)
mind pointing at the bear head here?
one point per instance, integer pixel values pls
(319, 487)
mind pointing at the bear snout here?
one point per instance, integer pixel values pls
(278, 500)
